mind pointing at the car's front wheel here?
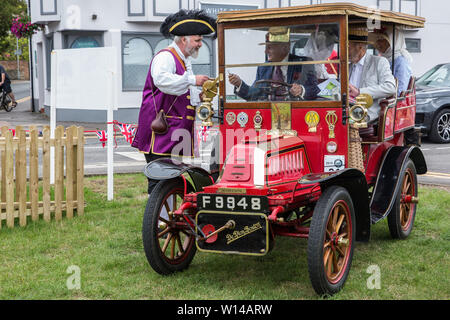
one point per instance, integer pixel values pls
(330, 242)
(440, 128)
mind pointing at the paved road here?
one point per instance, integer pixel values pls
(437, 157)
(21, 90)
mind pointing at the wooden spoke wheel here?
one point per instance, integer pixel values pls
(401, 218)
(168, 243)
(330, 242)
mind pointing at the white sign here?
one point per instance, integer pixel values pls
(83, 78)
(333, 163)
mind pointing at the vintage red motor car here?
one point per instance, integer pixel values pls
(305, 166)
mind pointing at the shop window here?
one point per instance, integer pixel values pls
(84, 42)
(137, 54)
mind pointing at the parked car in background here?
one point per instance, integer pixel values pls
(433, 103)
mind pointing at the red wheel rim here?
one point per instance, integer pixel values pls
(338, 242)
(407, 208)
(173, 237)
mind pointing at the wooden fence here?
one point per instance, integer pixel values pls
(33, 196)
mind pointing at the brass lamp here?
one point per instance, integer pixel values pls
(205, 111)
(358, 112)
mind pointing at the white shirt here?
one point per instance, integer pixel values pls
(355, 77)
(284, 69)
(163, 71)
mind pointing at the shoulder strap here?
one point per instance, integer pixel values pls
(176, 55)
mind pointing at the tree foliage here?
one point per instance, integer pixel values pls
(8, 10)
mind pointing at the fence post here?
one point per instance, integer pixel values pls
(69, 173)
(3, 161)
(9, 179)
(59, 172)
(80, 171)
(46, 172)
(21, 175)
(34, 177)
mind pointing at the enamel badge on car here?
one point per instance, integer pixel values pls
(231, 118)
(242, 119)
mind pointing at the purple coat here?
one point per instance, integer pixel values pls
(180, 115)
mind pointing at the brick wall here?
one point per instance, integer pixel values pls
(11, 69)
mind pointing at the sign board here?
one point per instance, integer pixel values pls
(83, 78)
(214, 8)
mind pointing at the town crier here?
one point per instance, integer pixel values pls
(167, 113)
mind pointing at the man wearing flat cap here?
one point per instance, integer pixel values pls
(368, 73)
(302, 78)
(171, 86)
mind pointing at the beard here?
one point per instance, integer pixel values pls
(192, 51)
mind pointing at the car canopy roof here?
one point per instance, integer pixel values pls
(355, 12)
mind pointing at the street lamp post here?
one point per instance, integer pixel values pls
(18, 53)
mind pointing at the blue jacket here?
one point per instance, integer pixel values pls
(301, 74)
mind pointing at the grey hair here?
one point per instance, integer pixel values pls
(177, 39)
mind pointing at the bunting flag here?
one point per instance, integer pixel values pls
(102, 136)
(202, 134)
(128, 131)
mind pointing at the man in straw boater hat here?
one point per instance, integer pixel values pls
(368, 73)
(170, 90)
(302, 78)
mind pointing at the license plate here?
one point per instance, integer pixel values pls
(234, 203)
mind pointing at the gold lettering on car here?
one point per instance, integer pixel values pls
(242, 233)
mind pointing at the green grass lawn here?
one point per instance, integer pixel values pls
(106, 245)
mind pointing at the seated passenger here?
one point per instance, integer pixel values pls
(302, 77)
(368, 73)
(402, 58)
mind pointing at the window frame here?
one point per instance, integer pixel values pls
(416, 6)
(340, 21)
(419, 42)
(391, 1)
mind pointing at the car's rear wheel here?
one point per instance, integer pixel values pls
(440, 128)
(330, 242)
(401, 218)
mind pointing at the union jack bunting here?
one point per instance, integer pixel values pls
(102, 136)
(202, 134)
(128, 131)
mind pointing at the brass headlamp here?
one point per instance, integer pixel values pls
(205, 111)
(358, 112)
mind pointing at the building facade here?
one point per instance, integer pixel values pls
(132, 28)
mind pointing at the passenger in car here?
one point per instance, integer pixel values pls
(368, 73)
(402, 59)
(301, 79)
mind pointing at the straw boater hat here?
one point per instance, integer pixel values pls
(358, 34)
(378, 35)
(277, 35)
(188, 23)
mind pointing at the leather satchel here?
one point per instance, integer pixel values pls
(160, 125)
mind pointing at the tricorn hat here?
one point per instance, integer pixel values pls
(188, 23)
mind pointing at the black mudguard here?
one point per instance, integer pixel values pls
(166, 168)
(355, 183)
(388, 181)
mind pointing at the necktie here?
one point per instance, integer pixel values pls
(278, 76)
